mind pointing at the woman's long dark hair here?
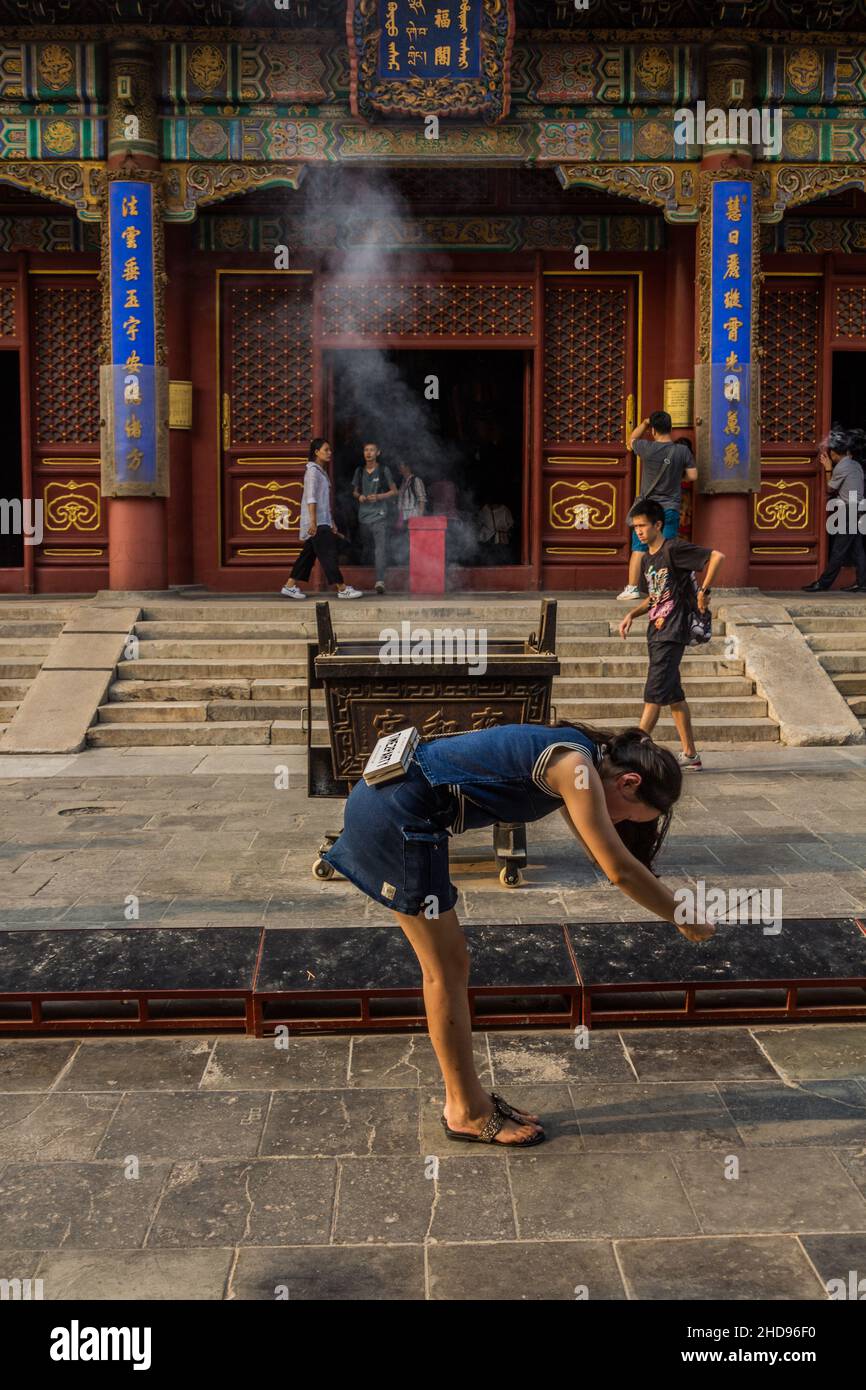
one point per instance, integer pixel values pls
(633, 750)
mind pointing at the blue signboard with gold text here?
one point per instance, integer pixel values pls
(731, 333)
(430, 38)
(133, 332)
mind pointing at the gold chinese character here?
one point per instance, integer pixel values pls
(130, 269)
(731, 360)
(131, 326)
(733, 425)
(442, 19)
(732, 455)
(130, 236)
(734, 236)
(732, 210)
(129, 206)
(133, 427)
(133, 360)
(132, 299)
(733, 268)
(732, 327)
(391, 20)
(442, 56)
(732, 299)
(134, 458)
(415, 55)
(393, 58)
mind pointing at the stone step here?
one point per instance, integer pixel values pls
(858, 703)
(305, 630)
(24, 646)
(838, 641)
(235, 650)
(130, 691)
(7, 710)
(12, 628)
(13, 690)
(210, 670)
(190, 735)
(820, 625)
(596, 688)
(850, 683)
(12, 668)
(636, 666)
(150, 712)
(597, 711)
(839, 606)
(389, 611)
(837, 662)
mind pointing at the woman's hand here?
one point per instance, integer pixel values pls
(696, 931)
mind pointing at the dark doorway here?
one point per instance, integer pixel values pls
(11, 545)
(458, 417)
(848, 404)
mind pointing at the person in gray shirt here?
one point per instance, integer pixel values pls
(663, 465)
(372, 488)
(845, 482)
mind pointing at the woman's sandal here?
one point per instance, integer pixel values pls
(488, 1134)
(508, 1110)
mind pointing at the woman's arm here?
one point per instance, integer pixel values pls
(574, 779)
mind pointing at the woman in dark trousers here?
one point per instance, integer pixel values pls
(616, 792)
(317, 529)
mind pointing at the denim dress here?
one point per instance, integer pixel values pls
(394, 843)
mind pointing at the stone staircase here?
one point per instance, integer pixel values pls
(27, 630)
(219, 672)
(835, 629)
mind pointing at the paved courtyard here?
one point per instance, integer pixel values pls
(709, 1163)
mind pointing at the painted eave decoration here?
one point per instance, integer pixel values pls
(407, 35)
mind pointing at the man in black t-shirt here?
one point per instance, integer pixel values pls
(666, 580)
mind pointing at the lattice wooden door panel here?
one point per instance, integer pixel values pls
(266, 413)
(65, 329)
(590, 346)
(787, 514)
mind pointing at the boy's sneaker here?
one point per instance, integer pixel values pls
(379, 587)
(694, 762)
(292, 591)
(349, 592)
(629, 592)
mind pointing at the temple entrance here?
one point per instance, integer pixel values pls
(11, 536)
(459, 418)
(848, 401)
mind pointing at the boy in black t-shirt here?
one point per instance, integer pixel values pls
(666, 580)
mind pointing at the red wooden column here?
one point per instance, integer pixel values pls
(137, 548)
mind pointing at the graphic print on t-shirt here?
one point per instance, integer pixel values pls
(660, 595)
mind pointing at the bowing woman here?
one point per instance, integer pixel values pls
(616, 792)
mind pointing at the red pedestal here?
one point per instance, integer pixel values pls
(427, 554)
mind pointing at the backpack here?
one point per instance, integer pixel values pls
(700, 624)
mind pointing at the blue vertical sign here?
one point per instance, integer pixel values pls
(133, 331)
(731, 333)
(430, 38)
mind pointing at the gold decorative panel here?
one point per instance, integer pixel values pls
(782, 505)
(7, 311)
(262, 505)
(583, 504)
(72, 506)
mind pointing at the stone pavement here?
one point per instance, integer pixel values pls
(228, 1168)
(693, 1164)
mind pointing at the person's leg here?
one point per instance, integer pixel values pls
(637, 550)
(380, 543)
(650, 717)
(682, 718)
(836, 557)
(303, 566)
(671, 527)
(326, 551)
(441, 949)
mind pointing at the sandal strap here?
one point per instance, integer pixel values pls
(491, 1129)
(503, 1107)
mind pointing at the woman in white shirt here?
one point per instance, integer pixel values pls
(317, 529)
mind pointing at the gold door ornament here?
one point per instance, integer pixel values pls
(782, 506)
(274, 503)
(582, 505)
(72, 506)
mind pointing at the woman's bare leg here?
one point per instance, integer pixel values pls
(441, 949)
